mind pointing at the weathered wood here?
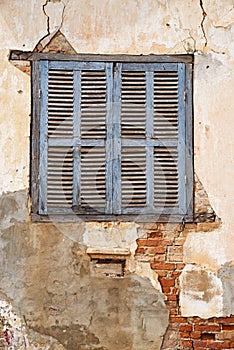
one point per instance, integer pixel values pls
(60, 218)
(150, 67)
(32, 56)
(35, 135)
(112, 146)
(109, 137)
(76, 65)
(149, 135)
(76, 134)
(75, 142)
(189, 140)
(43, 139)
(116, 150)
(149, 142)
(181, 138)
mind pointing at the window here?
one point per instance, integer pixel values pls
(115, 138)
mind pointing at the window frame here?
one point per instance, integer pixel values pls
(36, 58)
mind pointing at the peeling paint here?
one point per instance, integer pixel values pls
(203, 290)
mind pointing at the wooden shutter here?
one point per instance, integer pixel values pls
(153, 116)
(115, 138)
(72, 137)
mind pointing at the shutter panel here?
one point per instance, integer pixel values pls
(133, 166)
(153, 115)
(60, 125)
(93, 128)
(73, 132)
(93, 180)
(60, 103)
(93, 105)
(59, 178)
(166, 117)
(169, 128)
(166, 177)
(133, 105)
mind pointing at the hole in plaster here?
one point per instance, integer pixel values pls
(108, 267)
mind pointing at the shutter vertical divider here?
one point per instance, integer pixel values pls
(116, 118)
(35, 139)
(181, 138)
(189, 140)
(76, 137)
(109, 137)
(43, 139)
(149, 135)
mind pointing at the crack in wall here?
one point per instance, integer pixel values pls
(204, 14)
(44, 41)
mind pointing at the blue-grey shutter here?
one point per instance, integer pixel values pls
(73, 137)
(154, 154)
(116, 138)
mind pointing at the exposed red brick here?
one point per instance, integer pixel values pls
(171, 304)
(154, 234)
(175, 274)
(188, 343)
(203, 344)
(186, 327)
(156, 250)
(167, 282)
(161, 273)
(173, 312)
(207, 328)
(195, 335)
(166, 289)
(159, 258)
(225, 320)
(185, 335)
(140, 250)
(178, 319)
(225, 336)
(153, 242)
(163, 266)
(228, 327)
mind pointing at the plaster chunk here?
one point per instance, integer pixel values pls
(201, 293)
(208, 249)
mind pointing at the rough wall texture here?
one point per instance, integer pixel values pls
(173, 289)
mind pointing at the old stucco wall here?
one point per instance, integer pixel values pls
(42, 265)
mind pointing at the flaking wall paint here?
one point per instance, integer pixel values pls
(136, 27)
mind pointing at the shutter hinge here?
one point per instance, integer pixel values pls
(185, 180)
(185, 95)
(39, 93)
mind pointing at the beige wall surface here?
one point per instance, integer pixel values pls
(137, 27)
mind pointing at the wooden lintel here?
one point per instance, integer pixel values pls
(36, 56)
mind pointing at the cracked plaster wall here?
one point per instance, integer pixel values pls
(204, 28)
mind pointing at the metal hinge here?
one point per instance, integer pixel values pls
(39, 93)
(185, 95)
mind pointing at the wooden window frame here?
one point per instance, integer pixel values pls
(35, 59)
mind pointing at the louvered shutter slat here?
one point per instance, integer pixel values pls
(60, 103)
(133, 105)
(133, 182)
(60, 128)
(93, 104)
(59, 178)
(93, 180)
